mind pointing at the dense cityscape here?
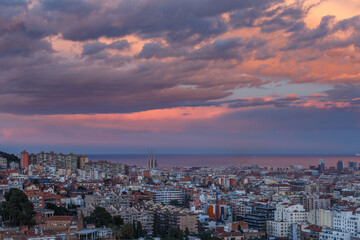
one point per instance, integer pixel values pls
(68, 196)
(180, 119)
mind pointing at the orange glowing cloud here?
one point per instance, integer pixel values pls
(313, 103)
(184, 113)
(173, 119)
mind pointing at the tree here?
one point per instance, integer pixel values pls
(187, 201)
(36, 181)
(239, 228)
(116, 232)
(176, 233)
(187, 233)
(134, 228)
(100, 217)
(174, 202)
(58, 211)
(139, 232)
(127, 231)
(118, 221)
(207, 236)
(156, 225)
(17, 210)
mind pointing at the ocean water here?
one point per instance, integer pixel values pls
(175, 160)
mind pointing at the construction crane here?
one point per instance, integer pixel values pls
(217, 209)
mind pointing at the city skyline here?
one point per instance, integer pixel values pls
(196, 77)
(180, 119)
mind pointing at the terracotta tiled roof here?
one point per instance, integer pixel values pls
(314, 228)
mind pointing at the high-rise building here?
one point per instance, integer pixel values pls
(3, 162)
(151, 161)
(32, 159)
(259, 214)
(59, 161)
(24, 159)
(352, 166)
(340, 165)
(321, 165)
(311, 202)
(81, 161)
(71, 162)
(285, 215)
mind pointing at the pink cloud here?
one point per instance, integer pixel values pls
(318, 95)
(12, 133)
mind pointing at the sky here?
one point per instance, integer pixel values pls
(184, 77)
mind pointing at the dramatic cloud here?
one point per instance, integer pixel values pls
(95, 47)
(68, 61)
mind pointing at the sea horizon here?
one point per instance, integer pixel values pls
(223, 160)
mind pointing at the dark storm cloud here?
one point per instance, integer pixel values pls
(345, 92)
(103, 78)
(96, 47)
(343, 96)
(21, 33)
(223, 48)
(7, 3)
(245, 17)
(159, 50)
(286, 17)
(346, 24)
(21, 45)
(259, 101)
(59, 88)
(231, 48)
(190, 20)
(306, 38)
(92, 48)
(323, 37)
(119, 45)
(76, 7)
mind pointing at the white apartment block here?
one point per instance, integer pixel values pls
(321, 217)
(165, 196)
(289, 212)
(347, 222)
(278, 229)
(332, 234)
(285, 215)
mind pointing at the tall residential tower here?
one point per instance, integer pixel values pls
(24, 159)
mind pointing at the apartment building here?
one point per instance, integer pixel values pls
(108, 199)
(333, 234)
(3, 162)
(285, 215)
(166, 195)
(173, 217)
(314, 202)
(321, 217)
(260, 213)
(138, 214)
(40, 199)
(347, 221)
